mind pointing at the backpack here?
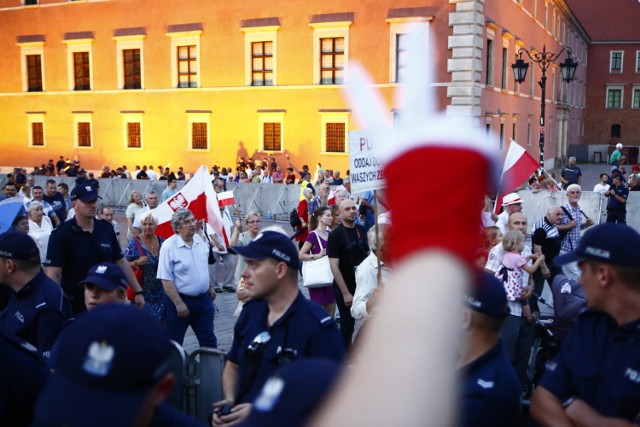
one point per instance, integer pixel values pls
(294, 219)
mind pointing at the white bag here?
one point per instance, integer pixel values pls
(317, 273)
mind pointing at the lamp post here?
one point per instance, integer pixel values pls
(544, 59)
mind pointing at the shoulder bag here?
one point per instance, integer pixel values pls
(316, 273)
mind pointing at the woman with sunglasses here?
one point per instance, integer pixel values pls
(243, 238)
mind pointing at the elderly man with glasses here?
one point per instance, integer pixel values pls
(570, 227)
(184, 271)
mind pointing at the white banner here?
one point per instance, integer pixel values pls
(366, 168)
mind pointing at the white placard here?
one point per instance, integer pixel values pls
(366, 169)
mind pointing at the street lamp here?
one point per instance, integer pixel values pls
(544, 59)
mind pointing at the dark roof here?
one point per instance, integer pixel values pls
(610, 20)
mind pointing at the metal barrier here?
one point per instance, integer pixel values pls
(178, 366)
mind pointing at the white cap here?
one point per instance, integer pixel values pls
(511, 199)
(618, 146)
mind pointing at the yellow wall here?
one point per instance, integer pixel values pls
(222, 88)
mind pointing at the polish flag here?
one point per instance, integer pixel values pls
(518, 167)
(197, 196)
(226, 198)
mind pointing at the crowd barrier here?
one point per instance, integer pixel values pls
(275, 201)
(198, 380)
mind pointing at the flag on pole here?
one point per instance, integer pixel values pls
(9, 208)
(518, 166)
(226, 198)
(197, 196)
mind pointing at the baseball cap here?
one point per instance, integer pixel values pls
(270, 244)
(511, 199)
(290, 397)
(635, 168)
(113, 356)
(107, 276)
(15, 245)
(488, 296)
(615, 244)
(618, 146)
(85, 193)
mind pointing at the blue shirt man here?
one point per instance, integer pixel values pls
(618, 194)
(571, 174)
(490, 390)
(595, 377)
(277, 326)
(37, 309)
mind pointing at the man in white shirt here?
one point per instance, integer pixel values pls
(510, 203)
(603, 185)
(183, 270)
(153, 176)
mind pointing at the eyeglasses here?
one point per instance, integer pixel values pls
(575, 192)
(255, 221)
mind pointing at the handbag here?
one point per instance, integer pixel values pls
(316, 273)
(137, 272)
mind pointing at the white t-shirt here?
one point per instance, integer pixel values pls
(600, 188)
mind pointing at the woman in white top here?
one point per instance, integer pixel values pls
(40, 227)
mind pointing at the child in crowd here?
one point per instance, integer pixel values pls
(513, 264)
(491, 236)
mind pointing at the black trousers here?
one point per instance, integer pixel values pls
(347, 322)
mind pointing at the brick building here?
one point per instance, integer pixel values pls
(613, 84)
(153, 82)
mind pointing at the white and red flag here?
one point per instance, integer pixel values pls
(518, 167)
(197, 196)
(226, 198)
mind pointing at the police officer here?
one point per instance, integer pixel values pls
(595, 378)
(37, 309)
(276, 326)
(490, 391)
(23, 373)
(618, 194)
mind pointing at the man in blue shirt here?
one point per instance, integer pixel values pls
(571, 174)
(55, 199)
(37, 309)
(275, 327)
(595, 378)
(490, 391)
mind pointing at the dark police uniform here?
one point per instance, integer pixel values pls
(305, 330)
(616, 211)
(490, 391)
(37, 313)
(76, 251)
(599, 363)
(22, 375)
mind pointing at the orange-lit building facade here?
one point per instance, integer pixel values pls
(200, 82)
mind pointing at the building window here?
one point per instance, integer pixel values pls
(334, 132)
(30, 2)
(83, 123)
(82, 78)
(514, 128)
(79, 56)
(187, 66)
(132, 129)
(529, 132)
(505, 66)
(635, 102)
(260, 39)
(262, 64)
(332, 61)
(616, 131)
(199, 136)
(84, 134)
(501, 136)
(34, 73)
(185, 55)
(271, 125)
(36, 129)
(32, 62)
(271, 136)
(132, 70)
(614, 97)
(489, 63)
(615, 61)
(130, 57)
(330, 48)
(637, 61)
(198, 123)
(400, 22)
